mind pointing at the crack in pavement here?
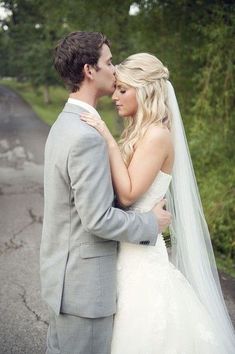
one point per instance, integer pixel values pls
(12, 244)
(24, 299)
(35, 218)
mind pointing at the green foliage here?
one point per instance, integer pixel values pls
(213, 126)
(109, 17)
(32, 28)
(215, 80)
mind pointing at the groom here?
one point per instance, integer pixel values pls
(81, 227)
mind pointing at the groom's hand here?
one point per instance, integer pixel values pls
(163, 216)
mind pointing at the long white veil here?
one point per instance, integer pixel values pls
(192, 251)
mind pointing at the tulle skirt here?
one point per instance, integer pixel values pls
(158, 311)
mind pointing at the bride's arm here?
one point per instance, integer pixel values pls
(133, 181)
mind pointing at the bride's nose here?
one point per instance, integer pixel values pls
(114, 96)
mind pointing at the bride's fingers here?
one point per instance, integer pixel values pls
(87, 114)
(90, 122)
(90, 119)
(97, 124)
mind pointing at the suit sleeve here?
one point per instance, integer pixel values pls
(89, 172)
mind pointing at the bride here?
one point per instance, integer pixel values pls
(164, 307)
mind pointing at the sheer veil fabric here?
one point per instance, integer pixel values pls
(192, 251)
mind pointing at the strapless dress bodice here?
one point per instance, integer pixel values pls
(154, 194)
(133, 255)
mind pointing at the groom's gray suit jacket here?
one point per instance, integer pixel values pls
(81, 228)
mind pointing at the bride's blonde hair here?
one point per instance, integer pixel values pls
(148, 76)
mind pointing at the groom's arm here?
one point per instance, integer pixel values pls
(89, 171)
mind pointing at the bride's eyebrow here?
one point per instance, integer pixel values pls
(122, 87)
(109, 59)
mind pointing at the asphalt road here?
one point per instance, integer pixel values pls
(23, 316)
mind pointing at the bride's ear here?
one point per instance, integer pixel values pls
(88, 71)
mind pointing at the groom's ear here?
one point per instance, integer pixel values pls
(88, 71)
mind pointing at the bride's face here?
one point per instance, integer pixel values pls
(124, 97)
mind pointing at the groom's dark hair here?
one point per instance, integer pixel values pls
(73, 52)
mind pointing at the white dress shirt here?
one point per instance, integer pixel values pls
(84, 105)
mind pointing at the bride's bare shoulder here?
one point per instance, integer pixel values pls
(157, 135)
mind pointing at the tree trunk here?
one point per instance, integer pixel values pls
(46, 94)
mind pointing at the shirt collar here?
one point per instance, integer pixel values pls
(84, 105)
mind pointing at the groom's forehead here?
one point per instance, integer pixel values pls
(105, 53)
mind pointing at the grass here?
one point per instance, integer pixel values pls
(226, 265)
(48, 113)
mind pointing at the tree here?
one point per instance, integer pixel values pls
(33, 29)
(213, 128)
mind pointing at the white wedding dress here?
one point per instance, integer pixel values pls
(158, 312)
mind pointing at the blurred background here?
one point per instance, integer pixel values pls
(194, 39)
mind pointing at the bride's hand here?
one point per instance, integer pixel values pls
(99, 125)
